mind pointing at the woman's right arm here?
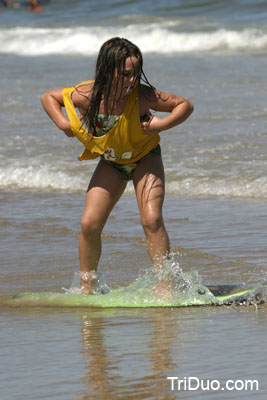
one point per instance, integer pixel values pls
(52, 102)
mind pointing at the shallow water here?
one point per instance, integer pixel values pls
(112, 354)
(215, 211)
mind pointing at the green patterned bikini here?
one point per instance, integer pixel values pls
(104, 124)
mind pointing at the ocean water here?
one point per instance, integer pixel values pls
(215, 54)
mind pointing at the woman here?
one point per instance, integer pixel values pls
(115, 123)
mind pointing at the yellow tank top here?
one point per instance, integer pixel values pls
(125, 143)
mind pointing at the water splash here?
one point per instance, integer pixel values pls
(101, 285)
(165, 282)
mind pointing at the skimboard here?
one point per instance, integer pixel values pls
(138, 296)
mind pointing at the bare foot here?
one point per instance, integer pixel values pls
(164, 289)
(89, 282)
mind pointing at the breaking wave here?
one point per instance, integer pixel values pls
(47, 178)
(151, 38)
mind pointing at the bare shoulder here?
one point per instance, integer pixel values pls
(147, 94)
(81, 95)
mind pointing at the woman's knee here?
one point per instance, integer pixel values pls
(91, 226)
(152, 222)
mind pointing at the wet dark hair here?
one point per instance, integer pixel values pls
(112, 57)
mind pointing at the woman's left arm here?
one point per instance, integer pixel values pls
(178, 109)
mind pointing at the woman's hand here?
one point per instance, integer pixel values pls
(68, 132)
(67, 128)
(152, 125)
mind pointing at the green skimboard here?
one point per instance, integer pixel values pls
(138, 296)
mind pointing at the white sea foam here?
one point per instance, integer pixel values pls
(48, 178)
(235, 187)
(39, 177)
(151, 38)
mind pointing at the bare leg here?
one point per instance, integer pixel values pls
(105, 189)
(150, 190)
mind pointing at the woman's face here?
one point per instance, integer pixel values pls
(128, 77)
